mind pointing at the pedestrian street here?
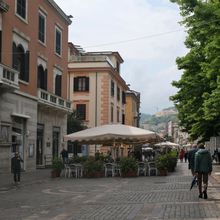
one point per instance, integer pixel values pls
(141, 198)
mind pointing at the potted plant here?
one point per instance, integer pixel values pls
(172, 161)
(93, 168)
(128, 167)
(161, 163)
(57, 166)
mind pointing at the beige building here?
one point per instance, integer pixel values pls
(132, 108)
(33, 79)
(97, 90)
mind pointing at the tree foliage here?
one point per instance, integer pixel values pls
(198, 96)
(74, 124)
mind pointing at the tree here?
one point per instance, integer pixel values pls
(198, 96)
(74, 125)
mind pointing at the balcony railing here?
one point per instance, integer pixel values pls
(52, 100)
(9, 77)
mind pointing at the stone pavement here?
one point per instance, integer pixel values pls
(142, 198)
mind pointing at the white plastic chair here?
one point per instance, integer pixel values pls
(109, 168)
(142, 168)
(152, 167)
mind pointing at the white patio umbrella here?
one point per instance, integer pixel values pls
(112, 134)
(167, 144)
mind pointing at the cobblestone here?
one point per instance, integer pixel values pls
(144, 198)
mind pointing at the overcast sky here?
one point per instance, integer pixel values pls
(147, 35)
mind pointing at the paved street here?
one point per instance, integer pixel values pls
(149, 198)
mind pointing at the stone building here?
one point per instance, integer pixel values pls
(97, 90)
(132, 108)
(33, 78)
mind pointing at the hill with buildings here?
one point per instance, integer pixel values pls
(159, 121)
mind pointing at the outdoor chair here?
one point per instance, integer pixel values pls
(109, 168)
(117, 170)
(73, 170)
(142, 169)
(152, 167)
(67, 170)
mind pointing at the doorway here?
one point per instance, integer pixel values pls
(39, 150)
(56, 135)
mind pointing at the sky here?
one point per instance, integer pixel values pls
(146, 33)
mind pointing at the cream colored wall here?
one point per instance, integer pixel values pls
(88, 65)
(116, 103)
(130, 111)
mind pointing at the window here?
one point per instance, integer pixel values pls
(123, 97)
(81, 84)
(112, 113)
(21, 8)
(81, 111)
(123, 118)
(20, 61)
(58, 85)
(112, 88)
(118, 67)
(58, 38)
(41, 28)
(42, 77)
(118, 94)
(118, 115)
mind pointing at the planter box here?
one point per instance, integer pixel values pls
(163, 172)
(129, 174)
(95, 175)
(55, 173)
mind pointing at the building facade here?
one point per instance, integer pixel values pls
(132, 108)
(33, 78)
(97, 90)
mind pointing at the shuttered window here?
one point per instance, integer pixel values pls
(58, 38)
(112, 88)
(20, 61)
(58, 82)
(81, 84)
(21, 8)
(41, 28)
(81, 111)
(42, 78)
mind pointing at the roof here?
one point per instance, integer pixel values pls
(60, 11)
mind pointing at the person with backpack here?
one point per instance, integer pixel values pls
(203, 168)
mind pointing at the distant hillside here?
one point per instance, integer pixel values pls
(145, 117)
(164, 116)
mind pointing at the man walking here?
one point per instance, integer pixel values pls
(16, 167)
(64, 154)
(191, 158)
(203, 168)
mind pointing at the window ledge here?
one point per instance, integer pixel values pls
(22, 19)
(58, 55)
(23, 82)
(42, 43)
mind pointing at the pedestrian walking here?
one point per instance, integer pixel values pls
(191, 158)
(203, 168)
(64, 154)
(186, 156)
(181, 155)
(16, 167)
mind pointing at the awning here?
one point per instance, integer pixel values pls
(20, 115)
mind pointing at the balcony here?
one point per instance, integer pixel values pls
(51, 100)
(3, 6)
(8, 78)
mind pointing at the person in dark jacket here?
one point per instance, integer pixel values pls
(203, 168)
(191, 158)
(64, 154)
(16, 167)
